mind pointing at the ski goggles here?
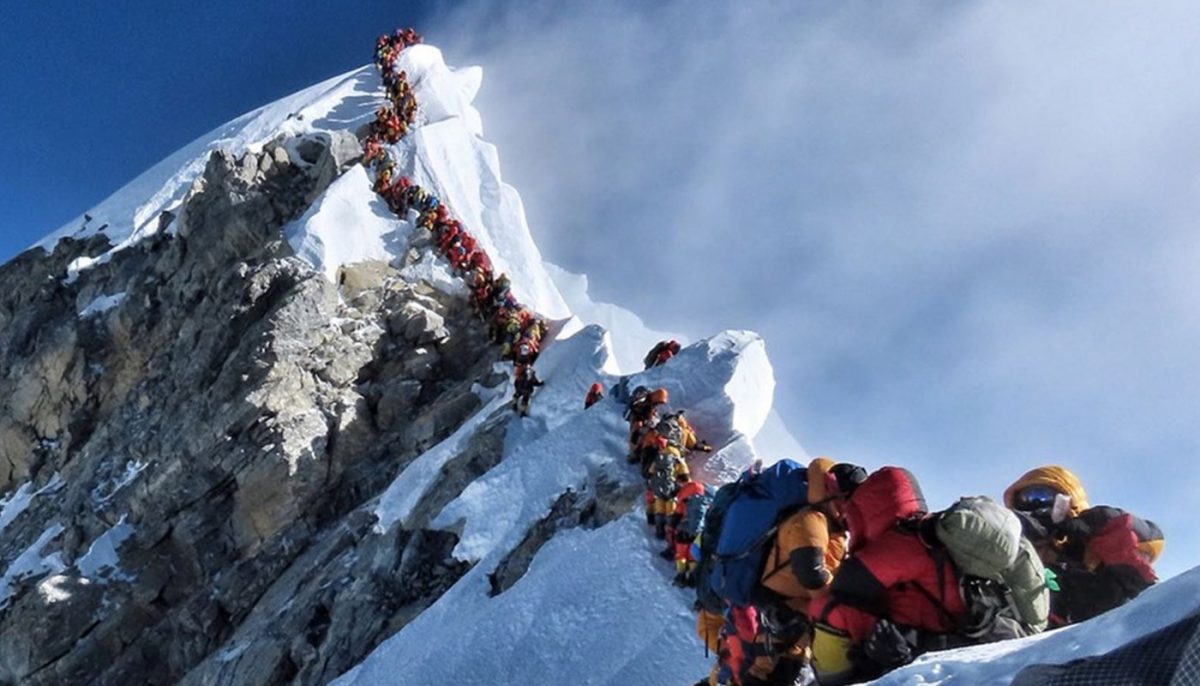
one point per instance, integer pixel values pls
(1033, 498)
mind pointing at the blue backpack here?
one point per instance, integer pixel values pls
(761, 501)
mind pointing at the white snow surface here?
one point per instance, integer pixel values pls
(101, 560)
(433, 269)
(102, 304)
(348, 224)
(32, 563)
(595, 607)
(447, 155)
(397, 502)
(12, 505)
(587, 593)
(15, 503)
(634, 338)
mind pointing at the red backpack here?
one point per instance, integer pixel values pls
(888, 496)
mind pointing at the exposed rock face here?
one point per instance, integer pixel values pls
(231, 413)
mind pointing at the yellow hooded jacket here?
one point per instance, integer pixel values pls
(1060, 479)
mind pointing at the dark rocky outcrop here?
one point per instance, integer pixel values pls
(234, 413)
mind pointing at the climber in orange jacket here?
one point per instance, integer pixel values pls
(685, 562)
(809, 545)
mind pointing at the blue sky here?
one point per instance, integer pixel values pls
(94, 93)
(966, 232)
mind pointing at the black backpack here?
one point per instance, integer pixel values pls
(640, 394)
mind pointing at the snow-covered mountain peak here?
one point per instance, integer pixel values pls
(249, 368)
(258, 436)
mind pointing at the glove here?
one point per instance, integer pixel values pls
(888, 645)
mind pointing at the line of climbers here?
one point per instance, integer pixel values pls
(819, 569)
(825, 573)
(515, 328)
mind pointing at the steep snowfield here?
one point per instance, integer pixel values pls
(447, 155)
(595, 607)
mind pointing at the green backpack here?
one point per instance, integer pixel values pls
(985, 542)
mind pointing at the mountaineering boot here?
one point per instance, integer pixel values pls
(660, 527)
(668, 554)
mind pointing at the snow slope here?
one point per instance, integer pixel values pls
(587, 593)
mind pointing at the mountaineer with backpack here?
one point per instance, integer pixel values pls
(525, 381)
(679, 433)
(916, 582)
(739, 525)
(1101, 557)
(594, 395)
(642, 413)
(660, 353)
(691, 505)
(663, 485)
(676, 431)
(662, 453)
(806, 551)
(779, 537)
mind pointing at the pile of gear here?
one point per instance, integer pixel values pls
(515, 328)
